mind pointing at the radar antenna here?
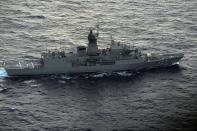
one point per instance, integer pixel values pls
(112, 40)
(45, 47)
(97, 27)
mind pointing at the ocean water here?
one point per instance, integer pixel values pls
(161, 99)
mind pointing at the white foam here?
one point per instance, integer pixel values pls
(123, 73)
(3, 73)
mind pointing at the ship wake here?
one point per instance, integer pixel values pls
(3, 73)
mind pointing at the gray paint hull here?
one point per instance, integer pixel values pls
(133, 66)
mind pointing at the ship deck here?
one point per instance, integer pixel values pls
(27, 64)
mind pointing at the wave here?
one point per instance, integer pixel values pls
(3, 90)
(35, 17)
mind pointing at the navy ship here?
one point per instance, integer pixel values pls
(90, 59)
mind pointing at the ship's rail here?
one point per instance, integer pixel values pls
(154, 57)
(25, 64)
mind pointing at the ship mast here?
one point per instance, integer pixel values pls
(92, 49)
(97, 27)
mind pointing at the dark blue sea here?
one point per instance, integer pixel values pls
(159, 99)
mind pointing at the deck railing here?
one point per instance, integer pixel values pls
(27, 64)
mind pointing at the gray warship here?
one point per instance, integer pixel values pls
(90, 59)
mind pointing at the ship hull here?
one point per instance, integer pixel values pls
(166, 61)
